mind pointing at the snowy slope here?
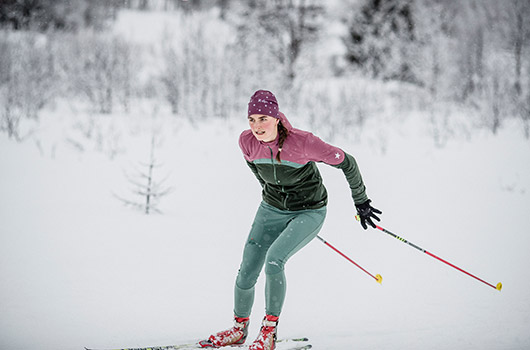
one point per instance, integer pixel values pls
(79, 269)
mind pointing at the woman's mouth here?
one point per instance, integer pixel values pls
(260, 132)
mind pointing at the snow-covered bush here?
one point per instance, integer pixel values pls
(28, 78)
(99, 68)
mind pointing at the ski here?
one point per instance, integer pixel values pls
(301, 347)
(293, 344)
(163, 347)
(298, 347)
(290, 344)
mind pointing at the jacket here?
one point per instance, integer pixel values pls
(295, 183)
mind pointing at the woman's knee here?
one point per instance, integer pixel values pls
(274, 264)
(247, 275)
(244, 281)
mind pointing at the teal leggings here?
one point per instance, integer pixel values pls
(275, 236)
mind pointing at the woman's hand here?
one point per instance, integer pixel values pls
(366, 212)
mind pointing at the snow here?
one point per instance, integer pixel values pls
(79, 269)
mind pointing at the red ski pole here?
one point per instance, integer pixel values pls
(377, 277)
(497, 287)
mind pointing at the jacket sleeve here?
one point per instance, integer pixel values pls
(254, 169)
(320, 151)
(354, 178)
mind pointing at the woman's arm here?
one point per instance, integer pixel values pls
(320, 151)
(354, 178)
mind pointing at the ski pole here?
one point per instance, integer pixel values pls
(377, 277)
(497, 287)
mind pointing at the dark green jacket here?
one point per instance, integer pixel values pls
(295, 183)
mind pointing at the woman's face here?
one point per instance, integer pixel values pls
(263, 127)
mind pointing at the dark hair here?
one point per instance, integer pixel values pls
(283, 133)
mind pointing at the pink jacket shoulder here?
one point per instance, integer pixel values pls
(300, 147)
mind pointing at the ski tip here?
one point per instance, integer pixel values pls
(303, 339)
(499, 286)
(379, 279)
(296, 340)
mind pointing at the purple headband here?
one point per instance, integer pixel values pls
(263, 102)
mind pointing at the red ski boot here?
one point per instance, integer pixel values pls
(267, 336)
(233, 336)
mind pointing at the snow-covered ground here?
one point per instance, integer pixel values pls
(77, 268)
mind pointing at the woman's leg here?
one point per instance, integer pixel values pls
(301, 229)
(267, 226)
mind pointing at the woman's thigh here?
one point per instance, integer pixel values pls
(298, 233)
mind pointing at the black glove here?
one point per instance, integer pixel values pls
(366, 212)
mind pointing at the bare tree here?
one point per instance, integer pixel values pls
(101, 69)
(69, 15)
(519, 21)
(28, 80)
(171, 79)
(381, 39)
(224, 6)
(282, 28)
(147, 190)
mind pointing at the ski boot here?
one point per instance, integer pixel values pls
(233, 336)
(267, 336)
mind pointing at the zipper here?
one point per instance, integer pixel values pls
(276, 179)
(273, 166)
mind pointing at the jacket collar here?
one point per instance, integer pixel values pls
(273, 143)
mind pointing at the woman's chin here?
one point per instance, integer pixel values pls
(260, 137)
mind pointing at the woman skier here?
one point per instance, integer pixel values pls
(290, 215)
